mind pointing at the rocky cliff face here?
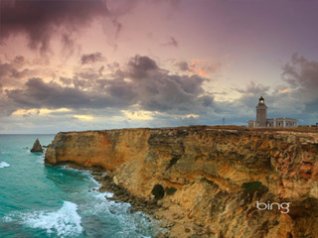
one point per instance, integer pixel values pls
(208, 180)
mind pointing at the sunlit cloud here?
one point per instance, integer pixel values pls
(199, 67)
(284, 90)
(84, 117)
(139, 115)
(38, 112)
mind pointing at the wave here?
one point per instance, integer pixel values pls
(133, 224)
(97, 209)
(64, 222)
(4, 164)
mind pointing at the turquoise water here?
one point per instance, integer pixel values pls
(45, 201)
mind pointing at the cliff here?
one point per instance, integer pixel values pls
(208, 180)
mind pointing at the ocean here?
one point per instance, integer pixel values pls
(38, 201)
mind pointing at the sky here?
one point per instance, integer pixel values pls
(70, 65)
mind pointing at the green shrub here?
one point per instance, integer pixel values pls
(254, 186)
(170, 190)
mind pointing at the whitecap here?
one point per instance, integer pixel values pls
(7, 219)
(4, 164)
(102, 195)
(64, 222)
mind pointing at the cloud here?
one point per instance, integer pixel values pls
(183, 66)
(172, 42)
(159, 90)
(39, 112)
(119, 8)
(118, 26)
(39, 94)
(245, 105)
(92, 58)
(199, 67)
(6, 106)
(12, 72)
(280, 100)
(254, 89)
(84, 117)
(296, 95)
(140, 66)
(69, 45)
(301, 76)
(142, 82)
(138, 115)
(42, 20)
(39, 20)
(143, 91)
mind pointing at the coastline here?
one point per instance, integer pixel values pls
(209, 178)
(120, 194)
(170, 225)
(173, 225)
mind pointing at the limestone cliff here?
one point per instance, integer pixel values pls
(208, 179)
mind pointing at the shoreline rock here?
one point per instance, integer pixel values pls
(120, 194)
(37, 147)
(183, 226)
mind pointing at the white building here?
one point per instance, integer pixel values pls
(263, 121)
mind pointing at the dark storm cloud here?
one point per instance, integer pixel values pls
(6, 108)
(171, 93)
(12, 72)
(38, 94)
(157, 89)
(302, 76)
(183, 66)
(140, 66)
(92, 58)
(149, 86)
(39, 19)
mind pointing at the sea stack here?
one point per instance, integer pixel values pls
(37, 147)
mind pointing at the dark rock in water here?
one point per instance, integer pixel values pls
(37, 147)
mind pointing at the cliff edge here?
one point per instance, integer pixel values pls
(209, 180)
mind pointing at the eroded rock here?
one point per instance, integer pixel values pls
(37, 147)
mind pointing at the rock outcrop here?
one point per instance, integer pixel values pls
(208, 180)
(37, 147)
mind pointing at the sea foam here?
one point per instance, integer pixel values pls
(65, 222)
(4, 164)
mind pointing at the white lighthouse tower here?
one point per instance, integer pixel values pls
(261, 113)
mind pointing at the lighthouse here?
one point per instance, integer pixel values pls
(262, 120)
(261, 113)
